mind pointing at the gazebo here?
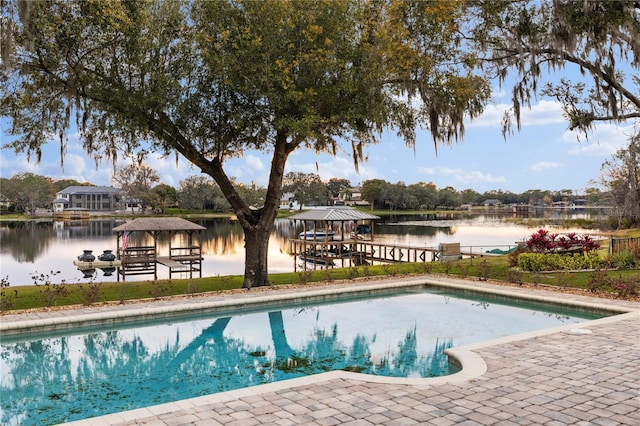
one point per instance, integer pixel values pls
(333, 235)
(139, 260)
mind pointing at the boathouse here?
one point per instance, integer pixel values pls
(142, 260)
(329, 236)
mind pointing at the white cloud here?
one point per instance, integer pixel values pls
(603, 141)
(430, 171)
(461, 176)
(170, 172)
(543, 113)
(544, 166)
(328, 167)
(254, 163)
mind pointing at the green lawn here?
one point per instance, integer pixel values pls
(486, 268)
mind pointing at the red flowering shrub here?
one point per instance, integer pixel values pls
(545, 242)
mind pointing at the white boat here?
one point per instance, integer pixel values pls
(316, 235)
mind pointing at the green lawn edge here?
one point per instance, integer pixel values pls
(20, 298)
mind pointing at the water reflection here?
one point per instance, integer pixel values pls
(73, 377)
(25, 241)
(37, 247)
(67, 376)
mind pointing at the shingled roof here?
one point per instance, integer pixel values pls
(159, 224)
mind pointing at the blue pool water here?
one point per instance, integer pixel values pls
(50, 380)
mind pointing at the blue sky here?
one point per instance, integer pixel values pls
(542, 155)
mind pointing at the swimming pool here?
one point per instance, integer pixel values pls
(68, 376)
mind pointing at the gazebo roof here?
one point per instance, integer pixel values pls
(333, 215)
(159, 224)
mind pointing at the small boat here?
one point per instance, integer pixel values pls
(316, 260)
(316, 235)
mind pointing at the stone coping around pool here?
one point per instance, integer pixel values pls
(473, 365)
(113, 314)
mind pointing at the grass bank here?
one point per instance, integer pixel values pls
(489, 268)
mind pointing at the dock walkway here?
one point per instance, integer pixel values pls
(346, 253)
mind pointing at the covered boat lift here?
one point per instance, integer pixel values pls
(141, 260)
(333, 236)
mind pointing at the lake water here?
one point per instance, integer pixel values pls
(30, 249)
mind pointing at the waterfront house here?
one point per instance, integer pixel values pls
(92, 198)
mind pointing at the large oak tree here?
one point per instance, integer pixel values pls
(211, 79)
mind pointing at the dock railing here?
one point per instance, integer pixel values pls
(346, 253)
(138, 261)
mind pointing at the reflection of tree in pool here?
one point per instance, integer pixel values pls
(30, 381)
(324, 352)
(57, 380)
(407, 363)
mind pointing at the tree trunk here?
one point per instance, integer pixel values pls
(256, 223)
(256, 260)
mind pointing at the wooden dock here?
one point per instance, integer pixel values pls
(347, 253)
(97, 264)
(73, 214)
(144, 260)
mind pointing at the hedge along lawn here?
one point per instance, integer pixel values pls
(495, 268)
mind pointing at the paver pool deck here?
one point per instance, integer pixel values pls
(582, 374)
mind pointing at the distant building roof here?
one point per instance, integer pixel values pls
(79, 189)
(492, 201)
(336, 214)
(159, 224)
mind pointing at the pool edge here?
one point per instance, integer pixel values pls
(473, 365)
(204, 303)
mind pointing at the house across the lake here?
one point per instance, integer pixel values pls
(288, 201)
(492, 202)
(92, 198)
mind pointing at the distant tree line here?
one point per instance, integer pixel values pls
(26, 192)
(426, 196)
(620, 178)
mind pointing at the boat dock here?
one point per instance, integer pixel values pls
(347, 253)
(344, 237)
(144, 260)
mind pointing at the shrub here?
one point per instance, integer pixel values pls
(514, 276)
(543, 241)
(305, 276)
(484, 270)
(513, 256)
(627, 288)
(599, 281)
(91, 293)
(622, 260)
(536, 262)
(50, 293)
(353, 272)
(160, 289)
(6, 297)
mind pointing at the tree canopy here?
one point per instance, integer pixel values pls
(211, 79)
(621, 177)
(530, 40)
